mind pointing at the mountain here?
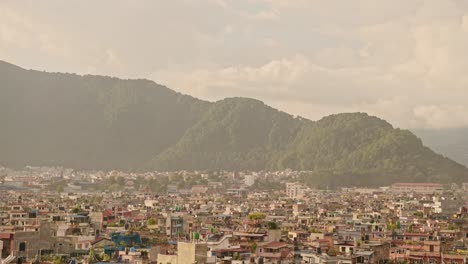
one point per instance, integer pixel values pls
(96, 122)
(451, 142)
(88, 121)
(235, 133)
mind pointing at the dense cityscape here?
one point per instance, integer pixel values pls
(234, 132)
(57, 215)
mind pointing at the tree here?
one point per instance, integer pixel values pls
(257, 216)
(57, 260)
(105, 257)
(253, 247)
(92, 256)
(272, 225)
(151, 221)
(314, 230)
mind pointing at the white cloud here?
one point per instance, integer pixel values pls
(443, 116)
(403, 60)
(266, 15)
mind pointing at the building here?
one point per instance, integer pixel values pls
(275, 252)
(187, 253)
(465, 186)
(423, 188)
(295, 190)
(249, 180)
(174, 225)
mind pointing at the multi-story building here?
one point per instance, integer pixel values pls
(174, 225)
(427, 188)
(295, 190)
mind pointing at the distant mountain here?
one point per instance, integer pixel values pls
(96, 122)
(452, 143)
(88, 121)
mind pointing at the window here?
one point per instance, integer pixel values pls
(22, 246)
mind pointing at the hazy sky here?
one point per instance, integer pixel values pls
(403, 60)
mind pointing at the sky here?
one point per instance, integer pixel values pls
(403, 60)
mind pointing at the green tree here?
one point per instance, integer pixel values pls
(257, 216)
(105, 257)
(253, 247)
(272, 225)
(92, 256)
(57, 260)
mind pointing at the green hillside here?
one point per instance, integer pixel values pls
(88, 121)
(234, 134)
(96, 122)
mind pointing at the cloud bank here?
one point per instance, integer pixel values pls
(402, 60)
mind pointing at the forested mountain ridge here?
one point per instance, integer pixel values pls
(88, 121)
(96, 122)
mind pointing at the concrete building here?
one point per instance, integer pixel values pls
(29, 242)
(174, 225)
(249, 180)
(424, 188)
(187, 253)
(295, 190)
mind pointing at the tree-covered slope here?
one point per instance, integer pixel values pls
(236, 133)
(98, 122)
(356, 149)
(343, 149)
(88, 121)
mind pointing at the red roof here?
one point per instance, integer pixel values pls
(6, 235)
(275, 244)
(107, 212)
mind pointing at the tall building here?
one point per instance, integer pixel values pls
(174, 225)
(295, 190)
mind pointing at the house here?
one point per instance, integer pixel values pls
(275, 252)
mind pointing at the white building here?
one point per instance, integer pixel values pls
(295, 190)
(249, 180)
